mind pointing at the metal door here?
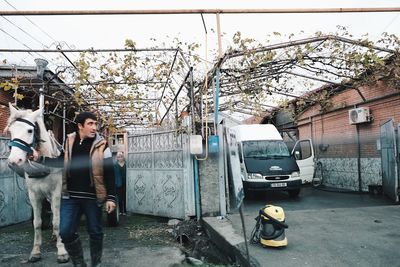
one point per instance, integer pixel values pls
(160, 175)
(390, 180)
(305, 159)
(14, 202)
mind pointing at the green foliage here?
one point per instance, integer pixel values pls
(11, 85)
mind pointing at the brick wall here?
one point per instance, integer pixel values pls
(5, 98)
(333, 128)
(336, 140)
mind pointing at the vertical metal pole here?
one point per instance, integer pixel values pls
(244, 232)
(16, 96)
(41, 98)
(41, 67)
(219, 37)
(197, 189)
(176, 111)
(221, 172)
(64, 121)
(155, 107)
(216, 104)
(192, 101)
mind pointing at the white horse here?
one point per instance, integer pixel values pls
(28, 132)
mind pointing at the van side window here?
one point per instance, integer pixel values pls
(304, 148)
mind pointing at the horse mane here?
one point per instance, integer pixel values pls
(48, 146)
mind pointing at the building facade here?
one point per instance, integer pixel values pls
(349, 147)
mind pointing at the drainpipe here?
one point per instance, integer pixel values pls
(216, 108)
(196, 189)
(358, 159)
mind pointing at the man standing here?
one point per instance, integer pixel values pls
(120, 181)
(88, 183)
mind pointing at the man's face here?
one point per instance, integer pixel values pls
(88, 129)
(120, 157)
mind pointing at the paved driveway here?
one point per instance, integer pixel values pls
(329, 229)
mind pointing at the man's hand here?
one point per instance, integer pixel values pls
(110, 206)
(35, 155)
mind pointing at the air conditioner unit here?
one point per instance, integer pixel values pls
(359, 115)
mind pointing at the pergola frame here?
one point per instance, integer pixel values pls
(126, 120)
(229, 86)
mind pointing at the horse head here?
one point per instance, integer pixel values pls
(25, 136)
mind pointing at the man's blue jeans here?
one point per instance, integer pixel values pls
(70, 216)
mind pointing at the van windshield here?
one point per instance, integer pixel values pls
(265, 149)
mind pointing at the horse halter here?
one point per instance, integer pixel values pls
(21, 144)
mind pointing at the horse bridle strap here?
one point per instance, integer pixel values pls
(21, 143)
(26, 121)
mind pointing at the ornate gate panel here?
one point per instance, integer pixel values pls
(14, 201)
(160, 175)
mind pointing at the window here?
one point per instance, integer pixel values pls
(265, 148)
(304, 148)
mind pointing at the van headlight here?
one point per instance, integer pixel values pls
(254, 176)
(295, 174)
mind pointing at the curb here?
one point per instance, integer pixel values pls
(222, 234)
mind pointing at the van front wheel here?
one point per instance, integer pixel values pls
(294, 192)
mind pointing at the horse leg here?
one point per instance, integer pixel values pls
(36, 203)
(62, 255)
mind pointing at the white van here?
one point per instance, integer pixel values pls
(265, 160)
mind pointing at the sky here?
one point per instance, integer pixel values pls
(111, 31)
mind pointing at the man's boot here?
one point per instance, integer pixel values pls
(75, 252)
(96, 251)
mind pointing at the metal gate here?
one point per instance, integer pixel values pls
(160, 175)
(14, 201)
(390, 178)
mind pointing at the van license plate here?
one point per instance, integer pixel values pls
(279, 185)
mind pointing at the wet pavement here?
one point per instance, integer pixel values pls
(327, 229)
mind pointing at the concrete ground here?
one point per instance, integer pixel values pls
(138, 241)
(325, 229)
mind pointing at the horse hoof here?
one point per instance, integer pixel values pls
(63, 258)
(34, 258)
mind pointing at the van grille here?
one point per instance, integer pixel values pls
(276, 177)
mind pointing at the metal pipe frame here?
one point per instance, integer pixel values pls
(195, 11)
(168, 78)
(176, 95)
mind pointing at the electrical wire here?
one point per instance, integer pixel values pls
(34, 24)
(48, 35)
(18, 41)
(15, 25)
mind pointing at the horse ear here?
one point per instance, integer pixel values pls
(12, 109)
(5, 130)
(37, 113)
